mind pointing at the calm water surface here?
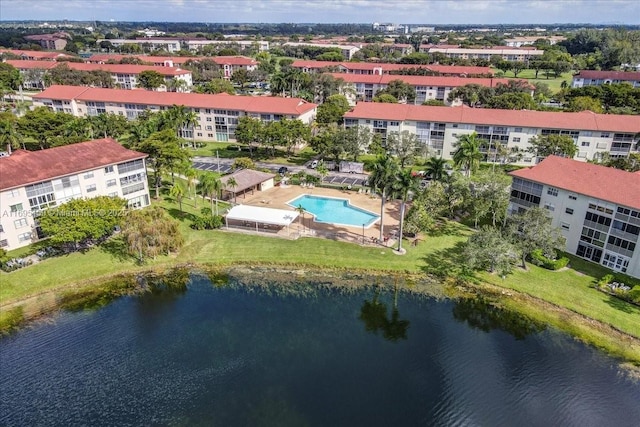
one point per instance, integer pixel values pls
(235, 356)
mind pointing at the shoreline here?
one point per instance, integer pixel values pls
(19, 313)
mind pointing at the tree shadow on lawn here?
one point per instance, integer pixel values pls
(446, 262)
(622, 305)
(446, 227)
(180, 215)
(117, 248)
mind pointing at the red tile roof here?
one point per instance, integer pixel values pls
(584, 120)
(112, 68)
(37, 54)
(178, 60)
(613, 185)
(234, 60)
(29, 167)
(302, 63)
(613, 75)
(446, 81)
(252, 104)
(388, 67)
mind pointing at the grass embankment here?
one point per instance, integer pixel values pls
(554, 83)
(565, 299)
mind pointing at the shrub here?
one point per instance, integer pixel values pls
(210, 222)
(538, 258)
(634, 294)
(620, 285)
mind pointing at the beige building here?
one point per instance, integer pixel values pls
(596, 208)
(32, 181)
(175, 44)
(125, 76)
(217, 115)
(506, 53)
(439, 128)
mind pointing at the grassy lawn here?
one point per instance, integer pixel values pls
(553, 82)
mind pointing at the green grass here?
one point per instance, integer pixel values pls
(554, 83)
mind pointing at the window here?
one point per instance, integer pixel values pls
(569, 211)
(24, 237)
(604, 135)
(108, 169)
(4, 243)
(516, 139)
(88, 175)
(19, 223)
(16, 208)
(585, 143)
(1, 229)
(111, 183)
(565, 225)
(550, 207)
(91, 188)
(552, 191)
(394, 123)
(14, 193)
(573, 197)
(114, 194)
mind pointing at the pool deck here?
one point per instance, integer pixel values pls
(277, 197)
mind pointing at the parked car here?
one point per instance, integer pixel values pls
(283, 170)
(313, 164)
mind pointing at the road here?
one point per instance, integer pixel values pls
(223, 166)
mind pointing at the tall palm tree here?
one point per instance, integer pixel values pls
(232, 183)
(404, 184)
(381, 181)
(467, 156)
(435, 168)
(210, 186)
(301, 210)
(190, 174)
(177, 192)
(9, 135)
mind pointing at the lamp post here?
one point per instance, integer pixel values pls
(363, 234)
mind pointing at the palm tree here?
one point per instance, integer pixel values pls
(301, 210)
(210, 186)
(435, 168)
(232, 183)
(9, 135)
(381, 180)
(404, 184)
(177, 192)
(190, 173)
(467, 156)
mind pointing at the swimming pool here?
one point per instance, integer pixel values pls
(334, 210)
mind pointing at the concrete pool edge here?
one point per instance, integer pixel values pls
(351, 206)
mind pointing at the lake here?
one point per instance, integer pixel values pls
(239, 355)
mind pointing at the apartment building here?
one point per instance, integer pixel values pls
(598, 78)
(193, 44)
(36, 55)
(217, 115)
(375, 68)
(506, 53)
(363, 87)
(55, 41)
(439, 128)
(124, 76)
(347, 51)
(529, 40)
(596, 208)
(31, 181)
(228, 64)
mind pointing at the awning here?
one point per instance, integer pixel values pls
(262, 215)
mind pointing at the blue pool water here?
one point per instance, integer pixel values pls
(334, 211)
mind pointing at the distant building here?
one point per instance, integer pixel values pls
(124, 76)
(55, 41)
(217, 115)
(504, 52)
(379, 68)
(32, 181)
(598, 78)
(194, 44)
(596, 208)
(347, 51)
(529, 40)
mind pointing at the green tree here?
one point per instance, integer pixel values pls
(9, 134)
(400, 90)
(79, 220)
(210, 186)
(243, 163)
(240, 77)
(150, 79)
(471, 94)
(249, 131)
(216, 86)
(556, 145)
(332, 110)
(404, 146)
(44, 126)
(381, 180)
(190, 173)
(149, 233)
(490, 191)
(10, 77)
(165, 154)
(178, 192)
(404, 185)
(232, 184)
(513, 101)
(385, 98)
(435, 168)
(582, 103)
(531, 230)
(467, 155)
(490, 250)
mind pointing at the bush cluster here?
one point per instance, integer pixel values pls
(207, 222)
(621, 286)
(538, 258)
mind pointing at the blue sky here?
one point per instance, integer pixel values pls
(331, 11)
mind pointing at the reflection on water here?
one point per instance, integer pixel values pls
(374, 315)
(307, 355)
